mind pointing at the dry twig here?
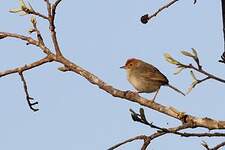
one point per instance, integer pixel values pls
(146, 18)
(217, 147)
(28, 98)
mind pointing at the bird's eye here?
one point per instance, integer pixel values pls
(130, 64)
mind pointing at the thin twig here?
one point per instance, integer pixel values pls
(202, 80)
(29, 40)
(162, 8)
(48, 8)
(51, 14)
(142, 119)
(218, 146)
(33, 12)
(28, 98)
(146, 18)
(39, 14)
(204, 144)
(205, 73)
(27, 67)
(140, 137)
(54, 6)
(146, 143)
(39, 36)
(148, 139)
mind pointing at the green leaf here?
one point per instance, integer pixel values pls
(22, 4)
(186, 53)
(15, 10)
(170, 59)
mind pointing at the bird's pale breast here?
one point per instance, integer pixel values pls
(143, 85)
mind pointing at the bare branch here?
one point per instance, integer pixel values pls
(202, 80)
(27, 67)
(29, 40)
(148, 139)
(28, 98)
(217, 147)
(161, 131)
(142, 119)
(39, 14)
(134, 97)
(54, 6)
(49, 8)
(204, 144)
(146, 143)
(33, 12)
(209, 75)
(140, 137)
(39, 36)
(51, 18)
(146, 18)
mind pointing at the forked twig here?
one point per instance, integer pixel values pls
(28, 98)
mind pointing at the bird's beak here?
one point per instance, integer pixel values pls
(123, 67)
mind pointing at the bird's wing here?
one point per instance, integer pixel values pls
(152, 73)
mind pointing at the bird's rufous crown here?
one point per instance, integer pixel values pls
(131, 60)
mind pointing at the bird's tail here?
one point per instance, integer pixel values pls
(174, 88)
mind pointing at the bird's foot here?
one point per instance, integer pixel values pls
(131, 93)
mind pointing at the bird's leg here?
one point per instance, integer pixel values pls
(155, 95)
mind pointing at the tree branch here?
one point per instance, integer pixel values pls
(28, 98)
(51, 18)
(35, 29)
(27, 67)
(209, 75)
(160, 131)
(181, 66)
(49, 8)
(33, 12)
(134, 97)
(140, 137)
(142, 119)
(29, 40)
(217, 147)
(148, 139)
(146, 18)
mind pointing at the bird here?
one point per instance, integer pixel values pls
(146, 78)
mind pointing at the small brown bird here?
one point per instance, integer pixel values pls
(145, 77)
